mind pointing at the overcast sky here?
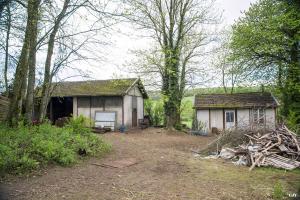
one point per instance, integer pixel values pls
(126, 38)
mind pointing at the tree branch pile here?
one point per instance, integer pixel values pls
(279, 148)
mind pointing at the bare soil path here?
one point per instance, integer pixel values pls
(166, 169)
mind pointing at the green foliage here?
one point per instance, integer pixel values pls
(25, 148)
(266, 43)
(79, 125)
(278, 192)
(187, 111)
(154, 109)
(292, 122)
(158, 113)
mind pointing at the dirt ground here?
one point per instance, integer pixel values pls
(166, 169)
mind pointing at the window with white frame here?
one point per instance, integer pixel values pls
(258, 116)
(229, 116)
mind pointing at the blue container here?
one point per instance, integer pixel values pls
(122, 129)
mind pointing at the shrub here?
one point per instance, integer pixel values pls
(25, 148)
(154, 109)
(158, 113)
(292, 122)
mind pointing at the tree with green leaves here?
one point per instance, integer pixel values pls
(178, 31)
(266, 43)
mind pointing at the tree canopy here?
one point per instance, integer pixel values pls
(265, 42)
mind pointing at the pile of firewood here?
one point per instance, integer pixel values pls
(279, 148)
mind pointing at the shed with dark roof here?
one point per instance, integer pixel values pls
(239, 110)
(109, 103)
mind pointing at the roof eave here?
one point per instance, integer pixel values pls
(232, 107)
(137, 81)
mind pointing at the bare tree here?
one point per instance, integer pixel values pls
(32, 58)
(47, 72)
(11, 27)
(22, 67)
(8, 27)
(68, 10)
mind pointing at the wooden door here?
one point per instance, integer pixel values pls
(134, 117)
(134, 111)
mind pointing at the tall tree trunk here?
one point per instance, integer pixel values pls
(47, 74)
(18, 83)
(6, 50)
(173, 100)
(34, 9)
(223, 81)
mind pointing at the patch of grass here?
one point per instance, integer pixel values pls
(261, 180)
(25, 148)
(278, 192)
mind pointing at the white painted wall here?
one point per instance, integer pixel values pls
(135, 91)
(75, 114)
(216, 117)
(140, 108)
(119, 114)
(243, 120)
(127, 110)
(203, 117)
(244, 116)
(270, 118)
(84, 112)
(109, 106)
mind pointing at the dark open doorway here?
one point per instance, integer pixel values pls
(60, 107)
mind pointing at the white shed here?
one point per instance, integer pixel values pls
(240, 110)
(109, 103)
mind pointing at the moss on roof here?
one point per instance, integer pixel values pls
(237, 100)
(112, 87)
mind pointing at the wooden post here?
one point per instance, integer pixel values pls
(224, 119)
(51, 110)
(209, 119)
(235, 117)
(123, 110)
(90, 111)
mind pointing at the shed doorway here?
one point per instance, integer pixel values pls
(60, 107)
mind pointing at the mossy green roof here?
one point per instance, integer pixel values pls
(112, 87)
(237, 100)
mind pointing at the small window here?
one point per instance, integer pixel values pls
(230, 116)
(258, 116)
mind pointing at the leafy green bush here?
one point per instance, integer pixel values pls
(292, 122)
(158, 113)
(154, 109)
(25, 148)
